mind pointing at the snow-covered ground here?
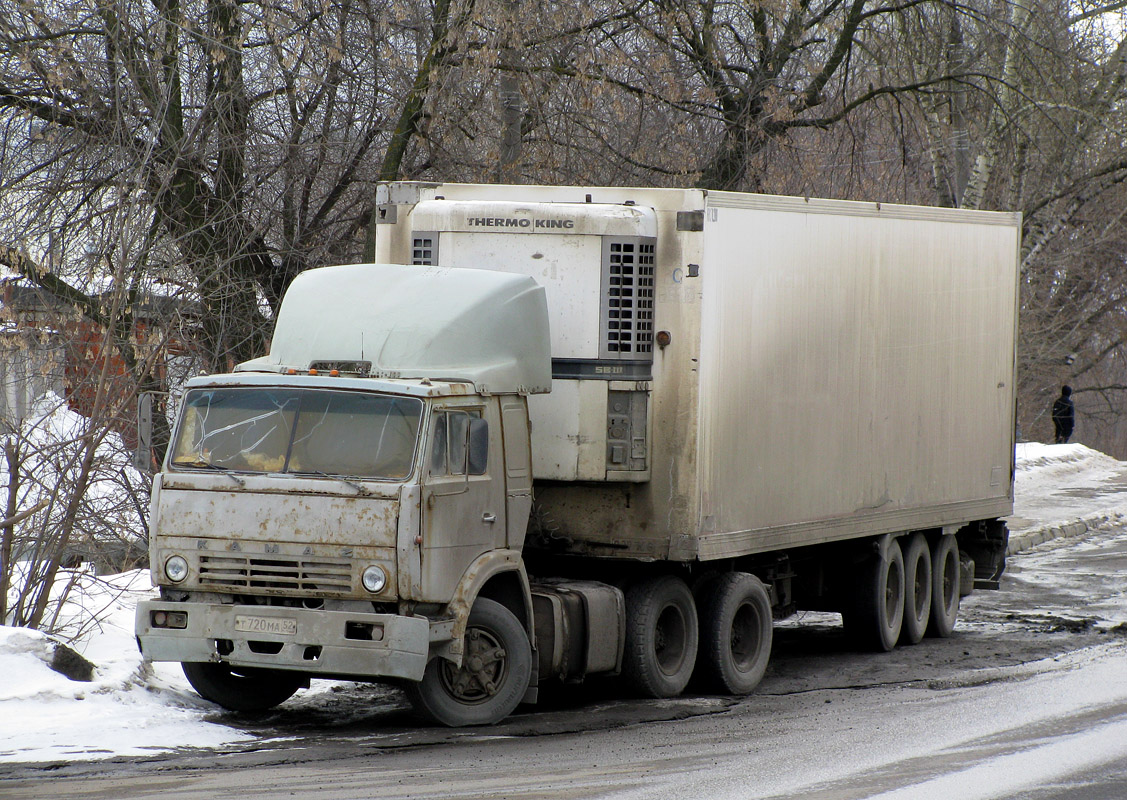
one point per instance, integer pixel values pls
(129, 708)
(1057, 484)
(133, 708)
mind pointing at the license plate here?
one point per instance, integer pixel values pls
(279, 625)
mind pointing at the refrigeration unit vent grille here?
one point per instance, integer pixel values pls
(424, 249)
(628, 291)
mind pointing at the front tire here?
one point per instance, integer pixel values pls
(494, 676)
(736, 631)
(661, 636)
(241, 690)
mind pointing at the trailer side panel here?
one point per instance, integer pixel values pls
(857, 370)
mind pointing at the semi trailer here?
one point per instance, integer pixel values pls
(554, 433)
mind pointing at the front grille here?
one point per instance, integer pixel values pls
(293, 575)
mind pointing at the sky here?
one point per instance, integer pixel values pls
(135, 708)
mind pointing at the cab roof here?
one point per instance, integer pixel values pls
(391, 321)
(410, 387)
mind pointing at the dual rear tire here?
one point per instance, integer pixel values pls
(917, 588)
(875, 614)
(725, 645)
(945, 588)
(907, 590)
(662, 635)
(736, 633)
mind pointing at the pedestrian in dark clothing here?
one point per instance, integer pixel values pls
(1064, 415)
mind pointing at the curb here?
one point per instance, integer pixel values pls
(1025, 540)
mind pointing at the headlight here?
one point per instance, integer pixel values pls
(374, 579)
(176, 569)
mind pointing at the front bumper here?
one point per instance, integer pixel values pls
(314, 641)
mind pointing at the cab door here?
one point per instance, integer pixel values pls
(463, 498)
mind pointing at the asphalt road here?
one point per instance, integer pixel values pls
(1027, 700)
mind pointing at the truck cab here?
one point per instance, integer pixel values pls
(338, 507)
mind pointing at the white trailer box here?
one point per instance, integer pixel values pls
(744, 373)
(738, 374)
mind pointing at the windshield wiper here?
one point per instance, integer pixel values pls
(214, 467)
(360, 489)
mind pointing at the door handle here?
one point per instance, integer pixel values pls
(487, 517)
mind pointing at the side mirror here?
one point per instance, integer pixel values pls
(143, 455)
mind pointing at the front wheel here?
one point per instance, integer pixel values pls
(241, 690)
(494, 676)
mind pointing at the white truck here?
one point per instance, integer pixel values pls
(562, 432)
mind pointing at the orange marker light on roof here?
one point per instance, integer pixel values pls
(335, 373)
(312, 372)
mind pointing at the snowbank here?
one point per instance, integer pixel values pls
(129, 708)
(1038, 462)
(1064, 489)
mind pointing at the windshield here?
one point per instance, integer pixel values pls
(308, 431)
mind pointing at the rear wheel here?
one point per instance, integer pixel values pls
(735, 633)
(944, 586)
(494, 676)
(917, 588)
(875, 613)
(661, 636)
(241, 690)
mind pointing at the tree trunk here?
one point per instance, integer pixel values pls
(512, 104)
(407, 126)
(7, 529)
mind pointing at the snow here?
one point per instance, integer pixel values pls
(1060, 483)
(134, 708)
(996, 740)
(130, 707)
(1031, 769)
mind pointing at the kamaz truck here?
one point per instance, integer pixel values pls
(564, 432)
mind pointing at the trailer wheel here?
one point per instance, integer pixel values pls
(917, 589)
(735, 633)
(241, 690)
(661, 636)
(494, 676)
(876, 613)
(944, 586)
